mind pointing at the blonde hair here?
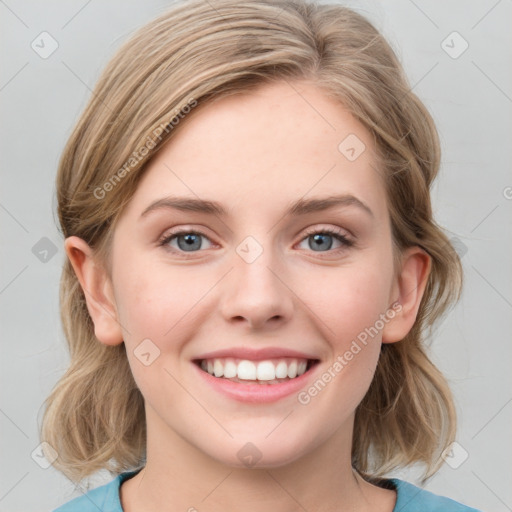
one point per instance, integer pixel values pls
(190, 56)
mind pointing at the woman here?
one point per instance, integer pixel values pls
(252, 265)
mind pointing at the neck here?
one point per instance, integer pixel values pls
(181, 476)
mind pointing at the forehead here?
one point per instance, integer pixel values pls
(266, 148)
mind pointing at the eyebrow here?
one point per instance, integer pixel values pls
(300, 207)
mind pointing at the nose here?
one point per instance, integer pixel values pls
(256, 294)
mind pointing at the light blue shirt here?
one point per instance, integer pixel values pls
(409, 499)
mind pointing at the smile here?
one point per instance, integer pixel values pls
(270, 371)
(256, 380)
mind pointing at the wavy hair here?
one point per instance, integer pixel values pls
(197, 53)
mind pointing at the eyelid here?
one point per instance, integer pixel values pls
(168, 235)
(339, 233)
(334, 230)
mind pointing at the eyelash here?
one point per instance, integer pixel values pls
(346, 242)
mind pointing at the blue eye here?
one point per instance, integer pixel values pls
(188, 241)
(323, 240)
(318, 241)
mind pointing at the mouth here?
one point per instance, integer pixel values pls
(266, 372)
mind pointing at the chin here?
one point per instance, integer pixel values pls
(260, 452)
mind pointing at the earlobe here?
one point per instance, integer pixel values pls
(97, 288)
(408, 292)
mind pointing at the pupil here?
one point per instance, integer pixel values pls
(320, 239)
(191, 242)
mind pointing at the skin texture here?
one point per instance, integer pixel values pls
(255, 154)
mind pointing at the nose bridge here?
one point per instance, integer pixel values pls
(254, 293)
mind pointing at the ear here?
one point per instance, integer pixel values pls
(98, 291)
(407, 291)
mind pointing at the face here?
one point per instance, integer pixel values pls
(264, 272)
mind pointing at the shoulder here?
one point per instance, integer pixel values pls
(104, 498)
(411, 498)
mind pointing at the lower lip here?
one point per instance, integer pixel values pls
(256, 393)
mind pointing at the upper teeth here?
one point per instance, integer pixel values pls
(255, 370)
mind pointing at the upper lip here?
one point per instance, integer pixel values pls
(255, 354)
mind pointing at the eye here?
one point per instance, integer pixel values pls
(322, 240)
(186, 241)
(319, 240)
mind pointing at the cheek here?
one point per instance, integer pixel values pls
(350, 301)
(350, 306)
(160, 303)
(156, 310)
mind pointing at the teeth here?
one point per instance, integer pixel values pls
(246, 370)
(230, 369)
(292, 370)
(281, 370)
(268, 370)
(218, 369)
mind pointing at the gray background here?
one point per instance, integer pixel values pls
(470, 97)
